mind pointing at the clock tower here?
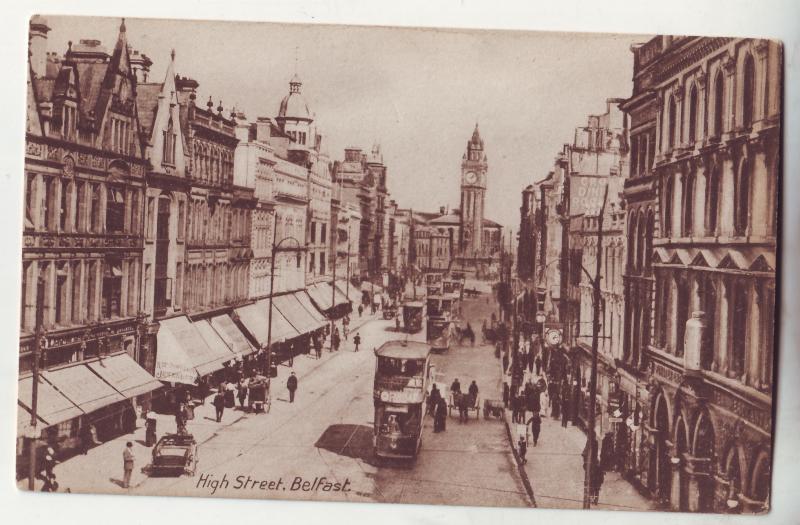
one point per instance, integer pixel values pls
(473, 193)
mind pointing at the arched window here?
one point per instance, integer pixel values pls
(641, 231)
(671, 122)
(632, 240)
(719, 99)
(741, 192)
(748, 92)
(692, 114)
(682, 312)
(668, 194)
(712, 201)
(688, 204)
(708, 303)
(738, 324)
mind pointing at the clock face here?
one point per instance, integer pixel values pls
(553, 337)
(471, 177)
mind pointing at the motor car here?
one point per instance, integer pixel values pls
(175, 454)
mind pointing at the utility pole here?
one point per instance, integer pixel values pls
(590, 456)
(37, 350)
(271, 294)
(333, 284)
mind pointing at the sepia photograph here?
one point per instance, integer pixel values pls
(438, 266)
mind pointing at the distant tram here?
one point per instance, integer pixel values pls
(412, 316)
(400, 394)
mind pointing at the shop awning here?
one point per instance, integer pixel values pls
(320, 298)
(83, 387)
(315, 312)
(298, 316)
(52, 406)
(172, 361)
(231, 334)
(322, 293)
(255, 319)
(214, 340)
(200, 356)
(354, 294)
(125, 375)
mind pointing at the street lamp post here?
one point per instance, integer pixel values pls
(590, 465)
(38, 343)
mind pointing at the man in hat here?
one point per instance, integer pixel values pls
(128, 458)
(291, 385)
(357, 340)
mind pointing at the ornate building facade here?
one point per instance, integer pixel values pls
(710, 359)
(219, 213)
(82, 241)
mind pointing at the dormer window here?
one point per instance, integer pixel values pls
(169, 144)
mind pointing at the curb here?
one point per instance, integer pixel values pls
(520, 467)
(526, 482)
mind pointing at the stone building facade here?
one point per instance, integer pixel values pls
(219, 213)
(710, 359)
(82, 238)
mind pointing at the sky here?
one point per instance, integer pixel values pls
(416, 92)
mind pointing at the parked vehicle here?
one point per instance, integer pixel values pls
(175, 454)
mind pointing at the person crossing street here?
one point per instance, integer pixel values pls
(128, 458)
(291, 385)
(356, 340)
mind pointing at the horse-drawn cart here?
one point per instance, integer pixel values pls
(467, 402)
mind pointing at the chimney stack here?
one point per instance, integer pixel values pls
(38, 45)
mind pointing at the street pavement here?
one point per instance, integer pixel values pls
(301, 450)
(325, 437)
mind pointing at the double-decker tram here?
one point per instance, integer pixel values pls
(400, 393)
(412, 316)
(439, 326)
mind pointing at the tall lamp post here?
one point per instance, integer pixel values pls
(276, 248)
(38, 345)
(590, 465)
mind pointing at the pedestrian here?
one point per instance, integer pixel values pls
(598, 476)
(505, 394)
(335, 340)
(87, 438)
(565, 403)
(230, 394)
(242, 392)
(473, 391)
(505, 360)
(128, 457)
(455, 386)
(345, 331)
(360, 310)
(522, 448)
(150, 436)
(291, 385)
(219, 404)
(180, 418)
(552, 389)
(316, 344)
(538, 363)
(50, 483)
(463, 407)
(434, 398)
(440, 415)
(607, 452)
(536, 426)
(356, 340)
(556, 405)
(49, 463)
